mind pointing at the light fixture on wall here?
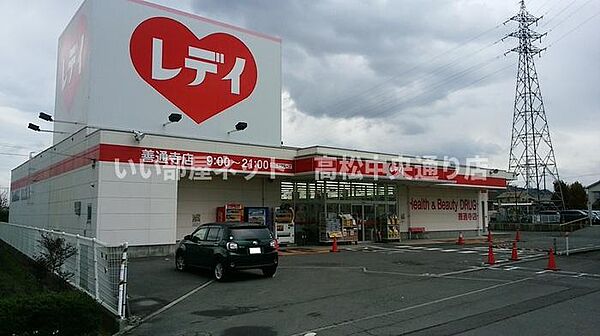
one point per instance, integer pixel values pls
(173, 118)
(46, 117)
(37, 128)
(138, 135)
(240, 126)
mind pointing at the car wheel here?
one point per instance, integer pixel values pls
(180, 263)
(269, 272)
(219, 271)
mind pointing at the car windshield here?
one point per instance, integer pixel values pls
(250, 233)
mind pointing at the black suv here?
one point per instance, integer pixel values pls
(226, 247)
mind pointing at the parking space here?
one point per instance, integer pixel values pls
(415, 291)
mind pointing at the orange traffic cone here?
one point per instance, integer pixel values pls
(461, 239)
(514, 256)
(489, 238)
(518, 237)
(491, 259)
(551, 262)
(334, 247)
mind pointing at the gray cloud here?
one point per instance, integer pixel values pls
(370, 59)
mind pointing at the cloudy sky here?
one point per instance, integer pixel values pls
(419, 77)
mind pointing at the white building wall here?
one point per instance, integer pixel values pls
(134, 208)
(203, 197)
(483, 210)
(403, 211)
(426, 212)
(50, 202)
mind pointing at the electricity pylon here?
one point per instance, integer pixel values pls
(531, 152)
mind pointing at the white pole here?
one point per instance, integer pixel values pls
(78, 262)
(123, 283)
(96, 285)
(591, 200)
(567, 242)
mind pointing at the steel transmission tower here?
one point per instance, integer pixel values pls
(531, 151)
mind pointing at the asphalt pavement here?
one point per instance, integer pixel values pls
(375, 289)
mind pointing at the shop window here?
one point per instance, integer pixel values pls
(345, 208)
(391, 192)
(312, 190)
(345, 190)
(89, 214)
(302, 190)
(381, 194)
(287, 190)
(16, 196)
(320, 189)
(25, 193)
(333, 208)
(332, 190)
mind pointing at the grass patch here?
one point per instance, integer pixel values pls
(31, 303)
(16, 276)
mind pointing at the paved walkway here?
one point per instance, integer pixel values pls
(587, 238)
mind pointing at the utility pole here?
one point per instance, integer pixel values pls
(531, 152)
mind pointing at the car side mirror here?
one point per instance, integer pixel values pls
(188, 237)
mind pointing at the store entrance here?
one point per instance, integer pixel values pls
(365, 219)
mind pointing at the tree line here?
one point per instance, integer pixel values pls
(574, 194)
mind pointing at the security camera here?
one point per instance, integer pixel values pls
(138, 135)
(240, 126)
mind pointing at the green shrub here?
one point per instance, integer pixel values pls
(61, 313)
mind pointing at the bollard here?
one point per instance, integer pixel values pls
(567, 242)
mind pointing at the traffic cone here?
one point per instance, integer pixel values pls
(514, 256)
(491, 259)
(551, 262)
(277, 247)
(518, 237)
(489, 238)
(461, 239)
(334, 247)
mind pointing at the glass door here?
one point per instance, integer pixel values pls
(366, 220)
(357, 213)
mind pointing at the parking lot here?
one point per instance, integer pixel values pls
(375, 289)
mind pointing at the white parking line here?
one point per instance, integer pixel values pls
(181, 298)
(448, 250)
(401, 310)
(467, 252)
(433, 249)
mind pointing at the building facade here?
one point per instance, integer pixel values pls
(121, 169)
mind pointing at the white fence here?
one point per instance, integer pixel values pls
(546, 219)
(98, 270)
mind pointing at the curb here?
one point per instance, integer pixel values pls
(579, 250)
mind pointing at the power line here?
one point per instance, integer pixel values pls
(384, 106)
(388, 102)
(573, 29)
(547, 22)
(569, 16)
(9, 145)
(13, 154)
(351, 98)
